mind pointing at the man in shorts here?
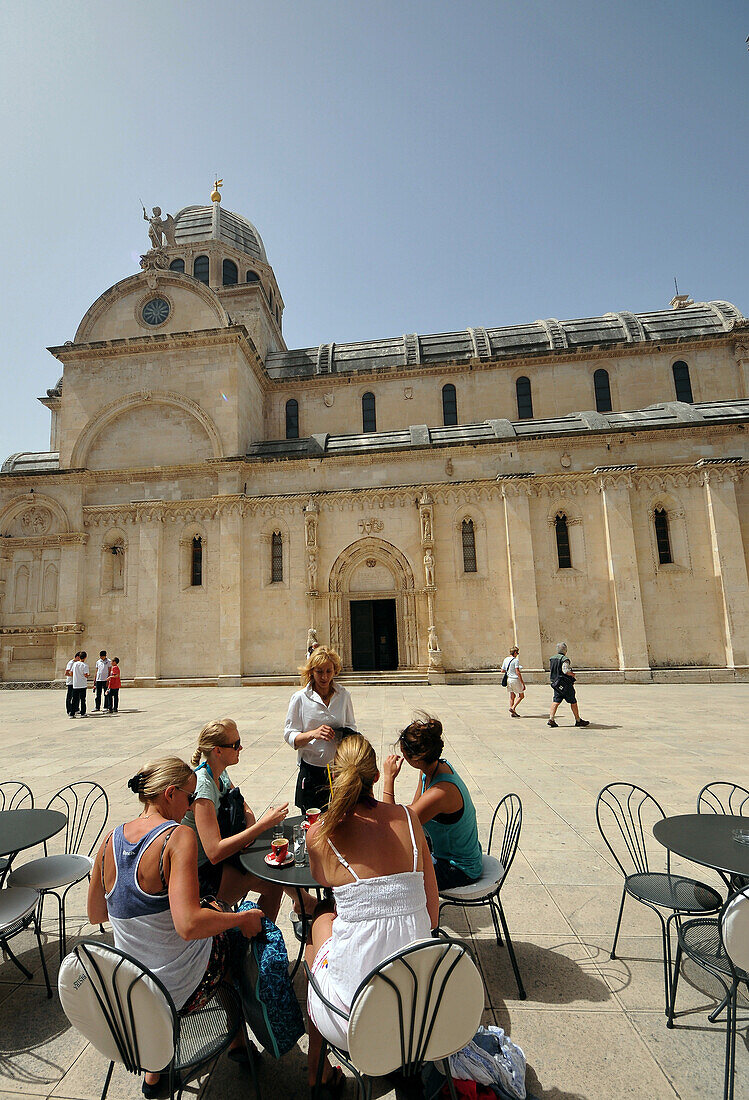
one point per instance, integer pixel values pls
(562, 680)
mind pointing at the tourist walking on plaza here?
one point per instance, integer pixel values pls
(103, 666)
(79, 675)
(562, 680)
(112, 694)
(515, 683)
(69, 684)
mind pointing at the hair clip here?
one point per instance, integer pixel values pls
(136, 783)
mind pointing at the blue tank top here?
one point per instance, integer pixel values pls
(126, 898)
(457, 842)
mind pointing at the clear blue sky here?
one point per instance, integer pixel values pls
(411, 166)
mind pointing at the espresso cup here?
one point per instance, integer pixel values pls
(280, 848)
(313, 814)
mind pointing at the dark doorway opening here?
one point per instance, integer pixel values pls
(374, 635)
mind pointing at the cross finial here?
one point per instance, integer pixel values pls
(216, 194)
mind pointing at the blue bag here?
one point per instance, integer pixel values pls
(268, 1000)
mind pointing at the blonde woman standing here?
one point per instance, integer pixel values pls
(316, 713)
(375, 857)
(515, 682)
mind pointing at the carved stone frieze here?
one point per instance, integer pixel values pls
(371, 525)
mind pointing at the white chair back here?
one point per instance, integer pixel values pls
(735, 930)
(122, 1009)
(422, 1004)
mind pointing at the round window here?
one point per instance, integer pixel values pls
(155, 311)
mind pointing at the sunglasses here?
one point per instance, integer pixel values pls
(233, 745)
(190, 797)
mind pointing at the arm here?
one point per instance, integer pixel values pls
(190, 920)
(442, 798)
(294, 733)
(430, 881)
(391, 769)
(316, 862)
(218, 848)
(96, 905)
(349, 718)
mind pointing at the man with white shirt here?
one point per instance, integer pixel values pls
(69, 683)
(79, 673)
(103, 668)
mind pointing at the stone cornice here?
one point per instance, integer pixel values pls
(35, 542)
(58, 628)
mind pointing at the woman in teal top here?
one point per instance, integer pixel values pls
(442, 803)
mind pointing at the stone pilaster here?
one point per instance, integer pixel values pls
(311, 516)
(426, 535)
(729, 562)
(521, 570)
(230, 588)
(150, 540)
(631, 640)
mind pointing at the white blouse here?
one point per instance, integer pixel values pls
(307, 711)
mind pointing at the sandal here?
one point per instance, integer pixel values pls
(244, 1055)
(331, 1089)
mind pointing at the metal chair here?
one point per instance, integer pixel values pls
(86, 806)
(720, 946)
(14, 795)
(419, 1005)
(723, 797)
(18, 909)
(128, 1015)
(494, 871)
(628, 811)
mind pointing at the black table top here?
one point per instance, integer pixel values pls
(21, 829)
(253, 860)
(713, 840)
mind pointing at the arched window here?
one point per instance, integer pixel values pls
(196, 571)
(177, 265)
(525, 402)
(200, 269)
(564, 557)
(292, 419)
(682, 385)
(602, 390)
(468, 535)
(252, 277)
(229, 273)
(449, 404)
(276, 558)
(368, 415)
(662, 537)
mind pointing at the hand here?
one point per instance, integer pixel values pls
(324, 733)
(274, 815)
(250, 923)
(393, 765)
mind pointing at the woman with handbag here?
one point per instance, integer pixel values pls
(220, 872)
(512, 679)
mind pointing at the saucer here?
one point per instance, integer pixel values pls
(274, 862)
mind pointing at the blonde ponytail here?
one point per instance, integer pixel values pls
(212, 735)
(354, 775)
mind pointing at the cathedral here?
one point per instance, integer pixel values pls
(419, 502)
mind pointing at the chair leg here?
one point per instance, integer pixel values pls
(107, 1079)
(14, 960)
(320, 1066)
(496, 923)
(37, 928)
(511, 951)
(717, 1011)
(618, 925)
(449, 1076)
(674, 983)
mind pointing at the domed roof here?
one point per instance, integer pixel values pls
(193, 224)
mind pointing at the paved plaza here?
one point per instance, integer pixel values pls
(592, 1028)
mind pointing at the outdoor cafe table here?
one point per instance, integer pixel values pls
(714, 840)
(301, 878)
(21, 829)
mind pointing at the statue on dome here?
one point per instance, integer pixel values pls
(159, 227)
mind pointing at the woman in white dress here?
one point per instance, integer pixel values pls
(515, 682)
(375, 857)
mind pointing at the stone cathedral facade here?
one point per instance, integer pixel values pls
(421, 501)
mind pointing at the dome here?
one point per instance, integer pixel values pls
(194, 224)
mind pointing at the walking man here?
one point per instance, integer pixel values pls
(80, 682)
(103, 666)
(69, 683)
(562, 680)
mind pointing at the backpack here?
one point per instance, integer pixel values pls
(268, 1001)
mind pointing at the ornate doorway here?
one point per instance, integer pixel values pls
(374, 635)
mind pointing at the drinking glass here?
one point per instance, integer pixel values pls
(300, 846)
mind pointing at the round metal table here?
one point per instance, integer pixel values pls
(300, 878)
(714, 840)
(21, 829)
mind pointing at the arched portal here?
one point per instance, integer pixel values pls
(373, 607)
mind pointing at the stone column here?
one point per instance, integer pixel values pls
(729, 562)
(311, 516)
(741, 355)
(624, 575)
(521, 569)
(426, 532)
(69, 591)
(230, 589)
(150, 539)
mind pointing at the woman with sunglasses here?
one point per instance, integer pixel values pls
(442, 803)
(144, 882)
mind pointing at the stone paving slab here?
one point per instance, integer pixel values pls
(592, 1027)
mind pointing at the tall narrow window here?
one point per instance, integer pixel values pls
(196, 571)
(525, 402)
(276, 558)
(682, 385)
(468, 535)
(229, 273)
(252, 277)
(662, 537)
(368, 416)
(200, 269)
(292, 419)
(449, 405)
(603, 391)
(177, 265)
(564, 557)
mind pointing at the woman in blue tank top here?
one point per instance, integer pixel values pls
(442, 803)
